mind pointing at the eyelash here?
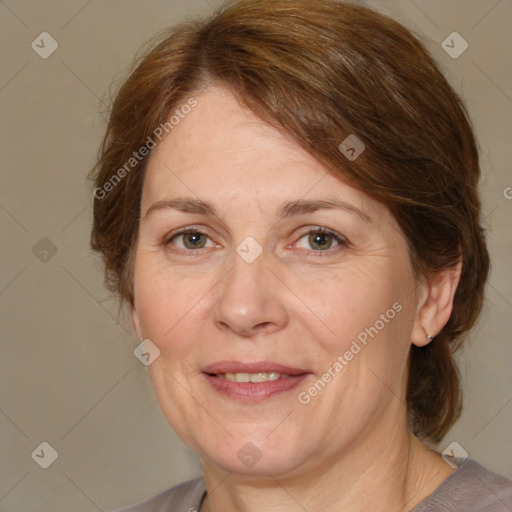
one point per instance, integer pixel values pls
(340, 239)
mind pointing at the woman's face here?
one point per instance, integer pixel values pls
(270, 278)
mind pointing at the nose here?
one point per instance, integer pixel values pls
(250, 299)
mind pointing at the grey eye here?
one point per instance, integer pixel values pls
(189, 240)
(318, 240)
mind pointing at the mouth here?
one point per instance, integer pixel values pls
(252, 382)
(251, 377)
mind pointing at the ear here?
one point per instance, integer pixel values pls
(136, 322)
(435, 304)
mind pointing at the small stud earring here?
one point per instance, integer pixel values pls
(429, 336)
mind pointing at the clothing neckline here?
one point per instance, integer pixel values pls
(462, 466)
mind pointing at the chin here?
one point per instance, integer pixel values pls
(249, 454)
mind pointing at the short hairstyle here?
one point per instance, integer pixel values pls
(320, 70)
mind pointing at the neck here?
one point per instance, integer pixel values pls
(390, 472)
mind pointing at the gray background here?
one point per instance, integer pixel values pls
(68, 373)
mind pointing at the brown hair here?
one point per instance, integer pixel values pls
(321, 70)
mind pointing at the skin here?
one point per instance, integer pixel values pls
(349, 448)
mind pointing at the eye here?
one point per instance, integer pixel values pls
(321, 240)
(189, 239)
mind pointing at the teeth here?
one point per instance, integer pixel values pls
(253, 377)
(258, 377)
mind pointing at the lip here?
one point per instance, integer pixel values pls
(250, 392)
(251, 367)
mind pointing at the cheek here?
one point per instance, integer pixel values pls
(164, 301)
(363, 313)
(353, 298)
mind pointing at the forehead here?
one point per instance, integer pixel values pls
(223, 152)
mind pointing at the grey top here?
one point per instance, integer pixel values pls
(470, 488)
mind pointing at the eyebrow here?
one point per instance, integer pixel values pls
(182, 204)
(286, 210)
(309, 206)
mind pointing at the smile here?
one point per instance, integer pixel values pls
(252, 377)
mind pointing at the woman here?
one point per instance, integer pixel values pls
(286, 198)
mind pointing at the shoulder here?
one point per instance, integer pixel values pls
(185, 497)
(470, 488)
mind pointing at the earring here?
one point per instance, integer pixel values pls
(429, 336)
